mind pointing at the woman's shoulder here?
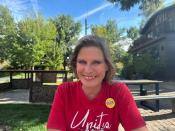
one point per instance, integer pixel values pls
(117, 87)
(118, 84)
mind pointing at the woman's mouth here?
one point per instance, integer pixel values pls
(88, 77)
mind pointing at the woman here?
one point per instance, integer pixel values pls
(94, 102)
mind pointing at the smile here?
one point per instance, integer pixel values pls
(89, 77)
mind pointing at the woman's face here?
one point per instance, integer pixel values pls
(91, 67)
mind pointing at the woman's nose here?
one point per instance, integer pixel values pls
(88, 68)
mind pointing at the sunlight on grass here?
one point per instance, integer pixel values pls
(24, 117)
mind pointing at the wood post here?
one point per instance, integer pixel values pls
(173, 105)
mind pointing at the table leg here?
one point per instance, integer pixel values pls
(141, 89)
(157, 93)
(11, 78)
(156, 107)
(173, 106)
(141, 94)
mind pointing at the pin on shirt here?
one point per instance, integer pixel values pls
(110, 103)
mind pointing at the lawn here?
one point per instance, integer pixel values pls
(24, 117)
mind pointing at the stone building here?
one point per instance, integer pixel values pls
(158, 39)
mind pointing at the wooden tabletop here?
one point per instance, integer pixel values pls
(135, 82)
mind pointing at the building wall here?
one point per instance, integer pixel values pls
(170, 55)
(161, 22)
(160, 25)
(164, 51)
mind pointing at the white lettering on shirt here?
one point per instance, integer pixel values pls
(97, 124)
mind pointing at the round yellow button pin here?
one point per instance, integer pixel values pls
(110, 103)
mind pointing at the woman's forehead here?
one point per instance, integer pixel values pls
(90, 50)
(91, 55)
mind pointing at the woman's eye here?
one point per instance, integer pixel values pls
(97, 62)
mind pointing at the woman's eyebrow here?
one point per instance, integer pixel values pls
(80, 59)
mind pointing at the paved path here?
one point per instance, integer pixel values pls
(164, 120)
(15, 96)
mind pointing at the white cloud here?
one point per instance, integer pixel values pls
(93, 11)
(21, 8)
(35, 6)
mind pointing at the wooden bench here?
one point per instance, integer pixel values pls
(157, 97)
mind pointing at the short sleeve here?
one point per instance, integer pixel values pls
(129, 114)
(56, 119)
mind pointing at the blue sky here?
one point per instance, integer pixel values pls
(96, 11)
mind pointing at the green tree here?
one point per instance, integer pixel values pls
(128, 69)
(128, 66)
(7, 33)
(35, 38)
(147, 65)
(133, 33)
(99, 30)
(67, 32)
(110, 31)
(149, 7)
(127, 4)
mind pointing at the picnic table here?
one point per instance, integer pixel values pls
(142, 83)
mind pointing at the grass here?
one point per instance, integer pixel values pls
(24, 117)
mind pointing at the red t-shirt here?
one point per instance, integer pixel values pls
(73, 111)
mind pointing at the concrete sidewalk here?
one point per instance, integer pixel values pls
(15, 96)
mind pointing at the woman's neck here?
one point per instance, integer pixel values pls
(91, 92)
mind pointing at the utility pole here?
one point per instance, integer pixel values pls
(86, 26)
